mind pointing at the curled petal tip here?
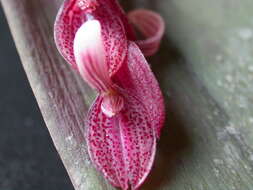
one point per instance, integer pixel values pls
(152, 26)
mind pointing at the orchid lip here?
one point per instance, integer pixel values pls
(112, 103)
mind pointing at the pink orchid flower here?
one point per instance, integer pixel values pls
(125, 120)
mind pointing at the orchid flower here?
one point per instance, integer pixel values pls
(125, 120)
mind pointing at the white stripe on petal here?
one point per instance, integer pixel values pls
(90, 56)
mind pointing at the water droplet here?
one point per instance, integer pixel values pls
(245, 33)
(251, 120)
(218, 58)
(231, 130)
(251, 157)
(250, 68)
(218, 161)
(219, 83)
(229, 78)
(216, 172)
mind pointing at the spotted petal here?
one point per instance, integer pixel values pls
(74, 13)
(137, 77)
(67, 22)
(122, 147)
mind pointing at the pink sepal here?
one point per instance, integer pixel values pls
(137, 77)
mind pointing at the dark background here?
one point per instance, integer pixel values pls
(28, 159)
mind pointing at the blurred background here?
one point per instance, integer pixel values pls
(27, 154)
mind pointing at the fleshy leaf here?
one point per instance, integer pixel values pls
(121, 147)
(137, 77)
(151, 25)
(74, 13)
